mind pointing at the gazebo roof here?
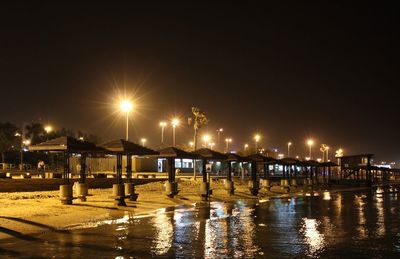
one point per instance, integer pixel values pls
(210, 154)
(289, 161)
(233, 157)
(261, 158)
(310, 163)
(176, 152)
(69, 144)
(329, 163)
(127, 147)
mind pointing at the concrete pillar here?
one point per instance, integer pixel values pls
(119, 194)
(229, 187)
(66, 194)
(171, 189)
(130, 191)
(82, 191)
(265, 184)
(254, 187)
(205, 190)
(293, 182)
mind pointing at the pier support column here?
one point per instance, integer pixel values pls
(285, 185)
(82, 191)
(265, 184)
(171, 187)
(119, 194)
(253, 183)
(228, 184)
(66, 194)
(205, 185)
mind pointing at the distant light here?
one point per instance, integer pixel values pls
(163, 124)
(289, 143)
(191, 143)
(143, 140)
(307, 158)
(48, 129)
(175, 122)
(126, 106)
(310, 142)
(280, 155)
(297, 157)
(228, 140)
(206, 138)
(26, 142)
(221, 129)
(319, 160)
(17, 134)
(257, 137)
(81, 138)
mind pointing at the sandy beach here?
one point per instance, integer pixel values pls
(23, 213)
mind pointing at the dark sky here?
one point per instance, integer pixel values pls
(292, 71)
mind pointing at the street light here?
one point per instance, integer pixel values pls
(174, 122)
(191, 144)
(327, 154)
(143, 140)
(310, 142)
(288, 148)
(48, 129)
(228, 140)
(26, 143)
(206, 139)
(256, 138)
(126, 107)
(219, 137)
(211, 145)
(246, 146)
(163, 124)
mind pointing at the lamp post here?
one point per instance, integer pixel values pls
(163, 124)
(288, 148)
(48, 129)
(143, 140)
(126, 107)
(219, 137)
(24, 143)
(310, 142)
(175, 122)
(191, 144)
(227, 141)
(212, 144)
(256, 138)
(327, 153)
(246, 146)
(206, 139)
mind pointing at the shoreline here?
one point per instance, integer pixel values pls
(23, 214)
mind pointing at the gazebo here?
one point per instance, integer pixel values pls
(119, 148)
(265, 161)
(171, 153)
(68, 146)
(206, 156)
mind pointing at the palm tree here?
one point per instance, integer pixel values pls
(199, 119)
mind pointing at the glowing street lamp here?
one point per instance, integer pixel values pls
(174, 123)
(310, 142)
(246, 146)
(257, 138)
(163, 124)
(288, 148)
(206, 139)
(212, 144)
(227, 141)
(126, 107)
(191, 144)
(24, 143)
(219, 131)
(48, 129)
(327, 153)
(143, 140)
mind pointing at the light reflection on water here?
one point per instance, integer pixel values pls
(328, 225)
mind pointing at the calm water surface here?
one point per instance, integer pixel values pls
(327, 225)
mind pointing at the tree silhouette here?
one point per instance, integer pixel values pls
(198, 120)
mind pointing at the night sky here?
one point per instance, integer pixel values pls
(292, 71)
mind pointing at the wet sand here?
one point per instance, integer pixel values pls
(24, 213)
